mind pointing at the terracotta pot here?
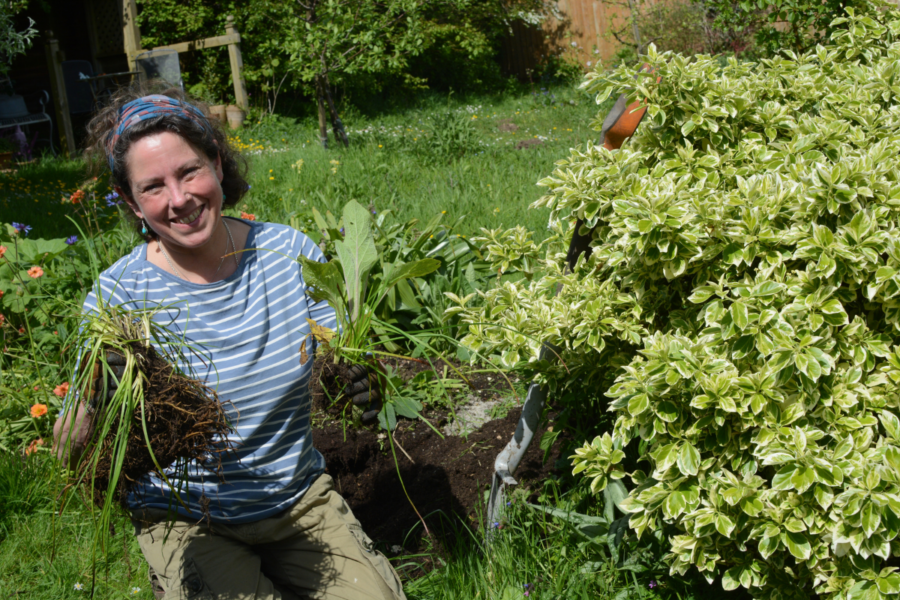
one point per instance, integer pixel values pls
(236, 116)
(218, 112)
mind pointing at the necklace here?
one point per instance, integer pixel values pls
(221, 262)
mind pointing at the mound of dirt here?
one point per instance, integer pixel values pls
(448, 475)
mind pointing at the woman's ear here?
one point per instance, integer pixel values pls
(220, 173)
(130, 202)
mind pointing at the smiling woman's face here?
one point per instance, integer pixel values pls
(176, 189)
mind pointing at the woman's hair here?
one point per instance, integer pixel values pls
(209, 138)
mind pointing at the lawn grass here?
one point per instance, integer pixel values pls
(45, 555)
(389, 165)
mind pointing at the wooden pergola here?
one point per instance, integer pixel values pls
(132, 42)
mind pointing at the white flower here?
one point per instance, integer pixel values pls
(588, 63)
(574, 44)
(135, 590)
(78, 587)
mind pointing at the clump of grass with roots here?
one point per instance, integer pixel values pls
(157, 421)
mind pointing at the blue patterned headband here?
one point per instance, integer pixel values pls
(148, 107)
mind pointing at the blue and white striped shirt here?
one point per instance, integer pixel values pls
(242, 337)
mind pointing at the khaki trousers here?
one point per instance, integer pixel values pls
(316, 549)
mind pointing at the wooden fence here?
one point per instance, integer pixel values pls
(582, 29)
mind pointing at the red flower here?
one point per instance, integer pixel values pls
(35, 272)
(38, 410)
(247, 216)
(33, 446)
(2, 251)
(76, 197)
(62, 389)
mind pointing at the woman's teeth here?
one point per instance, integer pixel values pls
(191, 217)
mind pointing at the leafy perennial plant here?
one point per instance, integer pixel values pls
(741, 307)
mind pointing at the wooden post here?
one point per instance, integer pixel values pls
(131, 31)
(237, 65)
(60, 99)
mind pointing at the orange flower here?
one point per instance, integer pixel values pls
(33, 446)
(76, 197)
(2, 319)
(62, 389)
(1, 293)
(35, 272)
(2, 251)
(38, 410)
(247, 216)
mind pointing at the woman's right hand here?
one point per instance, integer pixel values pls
(72, 432)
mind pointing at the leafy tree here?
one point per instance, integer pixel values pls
(740, 308)
(317, 44)
(208, 72)
(329, 40)
(12, 41)
(777, 25)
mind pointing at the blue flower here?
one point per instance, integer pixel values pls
(495, 525)
(112, 199)
(342, 231)
(71, 239)
(652, 584)
(21, 227)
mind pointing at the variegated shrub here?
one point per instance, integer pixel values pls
(741, 308)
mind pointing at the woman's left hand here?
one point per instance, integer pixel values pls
(363, 389)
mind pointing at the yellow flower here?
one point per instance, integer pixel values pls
(443, 212)
(379, 145)
(271, 178)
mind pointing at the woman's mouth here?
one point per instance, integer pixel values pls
(188, 220)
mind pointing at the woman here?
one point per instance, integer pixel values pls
(276, 527)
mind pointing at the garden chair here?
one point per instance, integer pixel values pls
(79, 92)
(20, 117)
(619, 125)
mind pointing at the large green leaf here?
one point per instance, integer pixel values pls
(357, 253)
(324, 281)
(393, 273)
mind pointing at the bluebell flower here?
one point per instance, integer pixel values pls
(112, 199)
(495, 525)
(21, 227)
(71, 239)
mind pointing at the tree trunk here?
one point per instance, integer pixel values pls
(634, 26)
(320, 100)
(336, 125)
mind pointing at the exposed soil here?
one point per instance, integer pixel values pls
(327, 383)
(525, 144)
(182, 418)
(447, 476)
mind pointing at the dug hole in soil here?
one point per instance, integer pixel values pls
(445, 478)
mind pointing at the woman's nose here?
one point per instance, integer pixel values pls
(177, 195)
